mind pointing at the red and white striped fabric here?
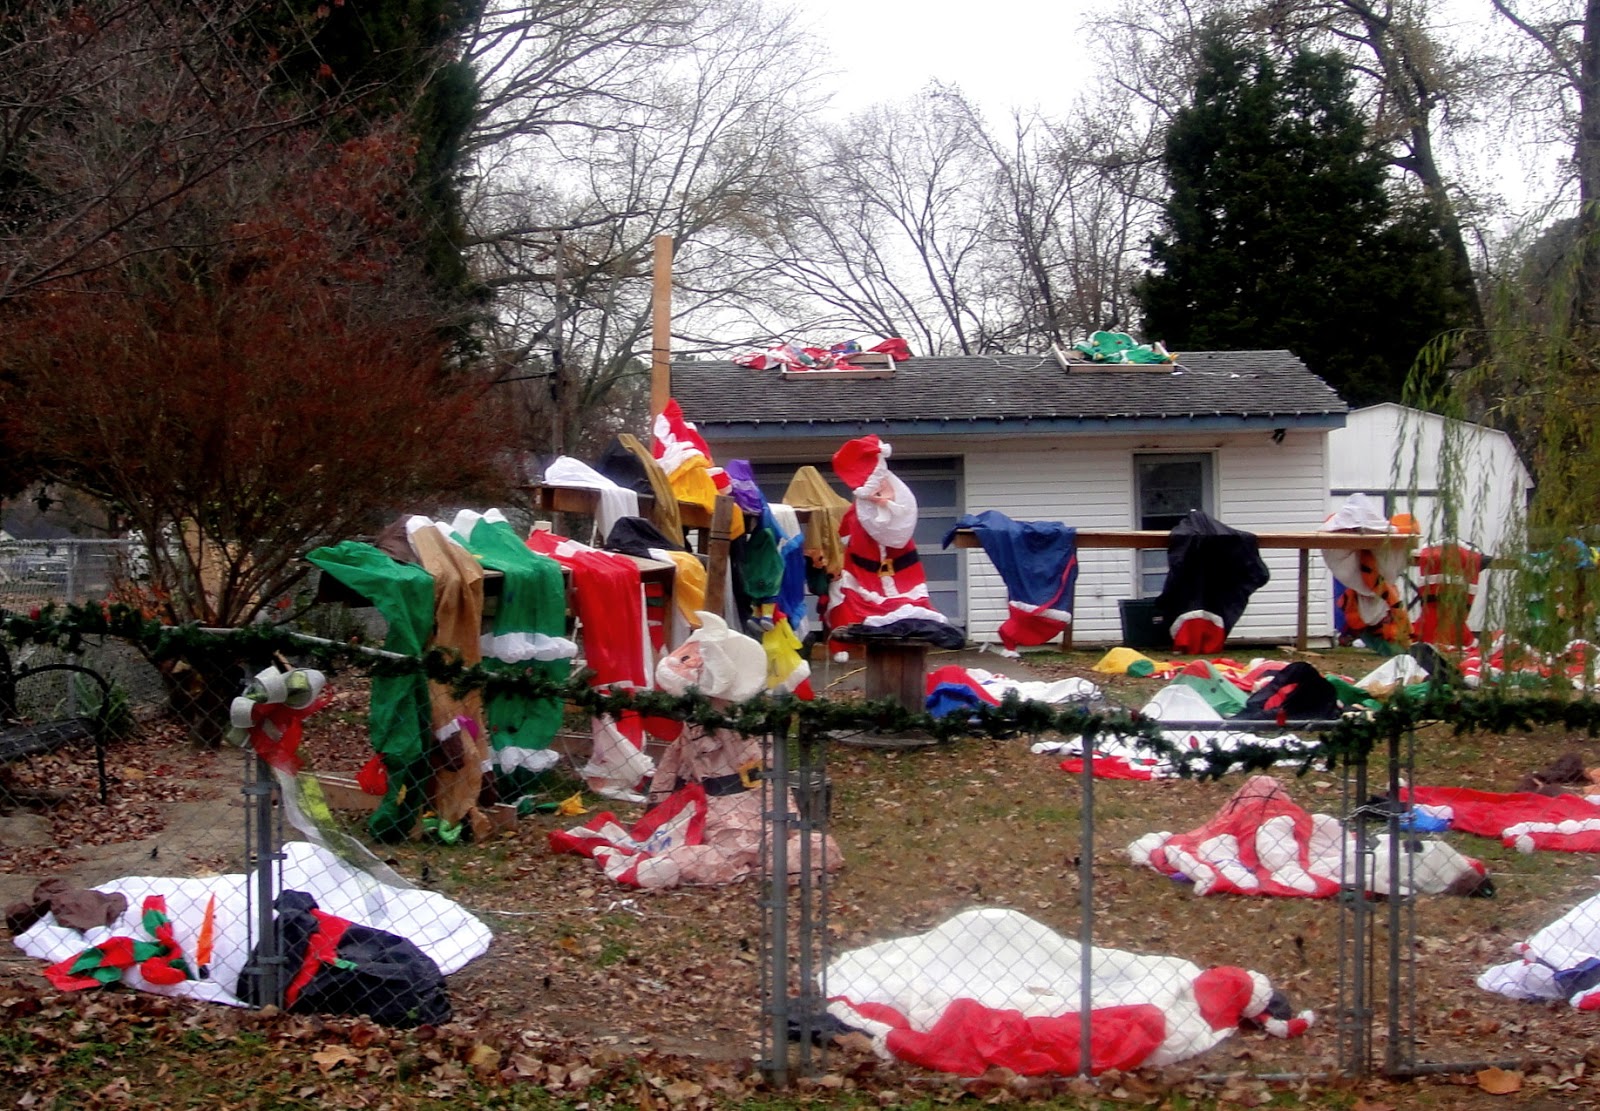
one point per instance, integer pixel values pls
(1521, 820)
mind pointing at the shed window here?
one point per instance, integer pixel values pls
(1166, 488)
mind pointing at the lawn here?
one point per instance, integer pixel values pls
(596, 996)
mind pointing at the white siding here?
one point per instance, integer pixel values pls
(1088, 482)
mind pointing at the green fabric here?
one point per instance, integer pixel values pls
(1140, 668)
(1222, 696)
(399, 722)
(403, 593)
(1352, 695)
(762, 565)
(533, 599)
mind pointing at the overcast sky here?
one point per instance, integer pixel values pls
(1002, 53)
(1022, 53)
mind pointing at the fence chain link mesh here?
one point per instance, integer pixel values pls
(1070, 944)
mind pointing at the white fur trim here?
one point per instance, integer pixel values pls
(516, 647)
(902, 613)
(879, 469)
(1063, 616)
(512, 758)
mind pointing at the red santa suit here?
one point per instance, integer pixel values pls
(882, 590)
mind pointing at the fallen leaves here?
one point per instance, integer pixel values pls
(1500, 1082)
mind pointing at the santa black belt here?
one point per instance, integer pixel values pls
(719, 785)
(887, 566)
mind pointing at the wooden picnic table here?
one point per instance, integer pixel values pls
(1303, 542)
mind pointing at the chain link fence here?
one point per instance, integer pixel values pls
(1274, 926)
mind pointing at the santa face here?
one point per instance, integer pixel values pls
(681, 670)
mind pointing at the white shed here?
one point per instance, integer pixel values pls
(1241, 435)
(1410, 459)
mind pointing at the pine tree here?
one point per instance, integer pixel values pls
(384, 59)
(1279, 231)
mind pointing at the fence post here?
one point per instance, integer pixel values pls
(777, 824)
(1392, 1063)
(261, 845)
(1358, 1016)
(1086, 910)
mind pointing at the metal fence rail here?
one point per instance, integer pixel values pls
(1060, 924)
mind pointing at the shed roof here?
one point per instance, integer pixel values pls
(1013, 393)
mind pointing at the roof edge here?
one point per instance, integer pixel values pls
(956, 427)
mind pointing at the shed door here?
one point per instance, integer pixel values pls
(936, 482)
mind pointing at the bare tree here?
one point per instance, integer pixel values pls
(565, 224)
(111, 114)
(889, 228)
(1556, 73)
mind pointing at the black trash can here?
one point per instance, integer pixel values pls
(1142, 625)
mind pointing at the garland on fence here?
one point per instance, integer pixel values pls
(1349, 739)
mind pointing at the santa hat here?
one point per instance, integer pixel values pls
(734, 665)
(861, 463)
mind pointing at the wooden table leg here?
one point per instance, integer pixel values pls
(1302, 636)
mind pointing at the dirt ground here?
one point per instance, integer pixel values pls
(924, 833)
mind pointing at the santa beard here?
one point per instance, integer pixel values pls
(892, 522)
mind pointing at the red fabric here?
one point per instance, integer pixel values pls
(373, 778)
(1198, 636)
(1491, 813)
(970, 1038)
(681, 430)
(610, 605)
(596, 836)
(275, 731)
(1108, 767)
(165, 967)
(1447, 577)
(1223, 996)
(954, 675)
(896, 348)
(1023, 630)
(322, 948)
(1258, 800)
(856, 583)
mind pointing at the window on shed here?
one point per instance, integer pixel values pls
(1166, 488)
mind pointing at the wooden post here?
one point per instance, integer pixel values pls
(660, 330)
(1303, 629)
(717, 554)
(898, 669)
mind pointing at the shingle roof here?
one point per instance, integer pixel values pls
(984, 389)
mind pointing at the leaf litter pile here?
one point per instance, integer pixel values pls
(656, 997)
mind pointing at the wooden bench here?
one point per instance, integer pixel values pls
(1302, 542)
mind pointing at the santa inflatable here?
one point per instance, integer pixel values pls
(882, 590)
(705, 822)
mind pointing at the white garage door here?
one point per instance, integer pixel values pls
(937, 484)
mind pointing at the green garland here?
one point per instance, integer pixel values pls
(1348, 740)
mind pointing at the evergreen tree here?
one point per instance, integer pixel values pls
(377, 60)
(1279, 233)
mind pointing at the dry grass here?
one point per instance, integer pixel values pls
(927, 832)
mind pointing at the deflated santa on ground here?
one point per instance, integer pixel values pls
(705, 824)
